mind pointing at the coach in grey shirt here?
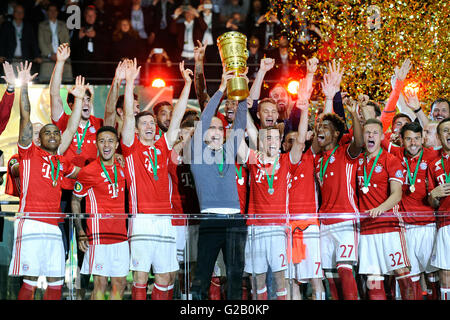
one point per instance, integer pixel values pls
(214, 171)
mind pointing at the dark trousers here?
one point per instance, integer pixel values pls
(214, 235)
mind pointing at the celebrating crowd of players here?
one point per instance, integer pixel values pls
(364, 209)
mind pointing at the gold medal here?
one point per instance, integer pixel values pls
(54, 183)
(365, 189)
(412, 188)
(241, 181)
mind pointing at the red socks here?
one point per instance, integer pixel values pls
(282, 294)
(54, 290)
(375, 288)
(407, 288)
(261, 294)
(27, 290)
(139, 291)
(214, 289)
(349, 288)
(334, 282)
(161, 292)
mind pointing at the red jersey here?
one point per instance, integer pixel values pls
(104, 202)
(436, 177)
(388, 168)
(88, 148)
(416, 203)
(38, 193)
(12, 186)
(146, 193)
(302, 189)
(338, 193)
(261, 201)
(184, 196)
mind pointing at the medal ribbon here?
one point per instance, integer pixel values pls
(412, 179)
(270, 178)
(154, 164)
(239, 172)
(445, 172)
(220, 165)
(324, 169)
(107, 174)
(52, 173)
(367, 180)
(80, 141)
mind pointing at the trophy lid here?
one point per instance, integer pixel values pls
(231, 34)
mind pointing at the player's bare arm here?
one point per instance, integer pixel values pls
(357, 144)
(128, 128)
(76, 209)
(56, 103)
(437, 193)
(180, 106)
(113, 95)
(393, 199)
(78, 91)
(25, 128)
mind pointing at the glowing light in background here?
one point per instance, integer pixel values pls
(158, 83)
(292, 87)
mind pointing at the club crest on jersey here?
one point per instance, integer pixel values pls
(121, 173)
(103, 175)
(158, 152)
(332, 159)
(361, 161)
(423, 166)
(78, 187)
(378, 169)
(399, 174)
(92, 129)
(13, 162)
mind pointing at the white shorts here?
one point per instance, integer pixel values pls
(108, 260)
(311, 266)
(338, 243)
(38, 249)
(441, 259)
(420, 241)
(189, 244)
(266, 245)
(382, 253)
(153, 244)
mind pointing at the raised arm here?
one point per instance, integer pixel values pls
(25, 127)
(412, 101)
(180, 106)
(331, 85)
(56, 103)
(113, 95)
(389, 110)
(128, 128)
(304, 94)
(7, 101)
(78, 91)
(357, 144)
(265, 65)
(199, 76)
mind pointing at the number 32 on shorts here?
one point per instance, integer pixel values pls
(396, 259)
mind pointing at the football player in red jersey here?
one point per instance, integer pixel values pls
(38, 246)
(382, 247)
(149, 188)
(418, 215)
(105, 241)
(439, 192)
(335, 170)
(269, 174)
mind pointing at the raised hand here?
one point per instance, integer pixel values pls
(411, 99)
(63, 52)
(402, 72)
(303, 94)
(311, 65)
(352, 106)
(9, 76)
(132, 70)
(336, 74)
(24, 73)
(186, 73)
(266, 64)
(199, 51)
(328, 88)
(79, 89)
(120, 70)
(226, 75)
